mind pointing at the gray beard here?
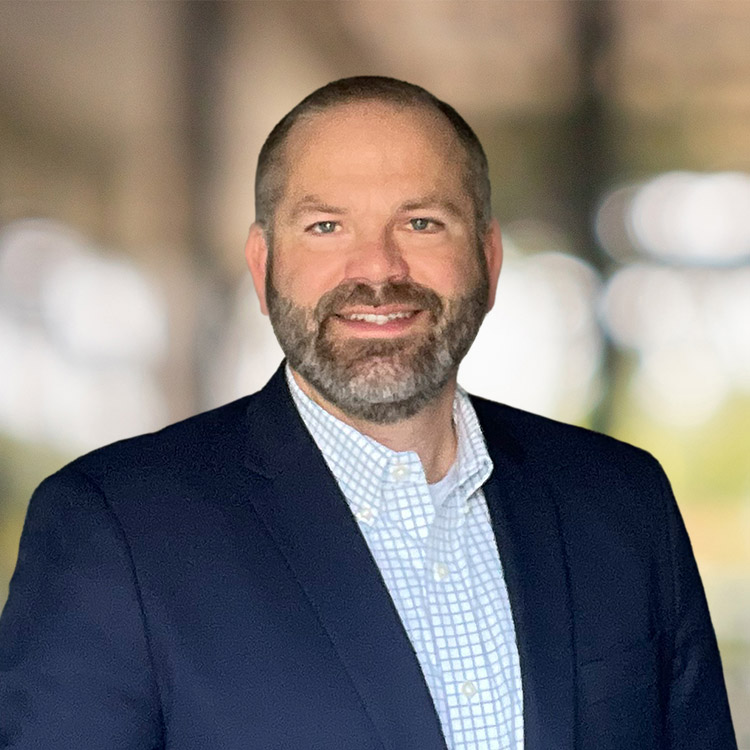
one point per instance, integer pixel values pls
(381, 381)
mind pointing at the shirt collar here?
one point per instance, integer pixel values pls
(360, 463)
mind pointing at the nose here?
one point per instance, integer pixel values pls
(376, 259)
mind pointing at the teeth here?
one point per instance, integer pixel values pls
(379, 320)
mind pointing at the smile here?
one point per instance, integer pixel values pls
(377, 319)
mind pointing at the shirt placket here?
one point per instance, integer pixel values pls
(441, 569)
(464, 684)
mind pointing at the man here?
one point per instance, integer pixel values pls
(360, 555)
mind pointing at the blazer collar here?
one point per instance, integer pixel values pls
(526, 523)
(310, 521)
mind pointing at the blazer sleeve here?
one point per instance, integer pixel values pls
(74, 659)
(698, 710)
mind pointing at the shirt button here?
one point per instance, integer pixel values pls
(400, 472)
(365, 514)
(440, 571)
(468, 689)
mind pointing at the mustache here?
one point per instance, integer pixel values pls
(389, 293)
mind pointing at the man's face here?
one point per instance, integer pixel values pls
(375, 286)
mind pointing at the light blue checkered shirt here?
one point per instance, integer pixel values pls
(437, 554)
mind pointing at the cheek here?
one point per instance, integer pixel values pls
(305, 282)
(450, 277)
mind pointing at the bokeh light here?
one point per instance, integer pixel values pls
(679, 217)
(82, 333)
(540, 347)
(690, 331)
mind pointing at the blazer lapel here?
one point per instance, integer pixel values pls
(530, 543)
(311, 523)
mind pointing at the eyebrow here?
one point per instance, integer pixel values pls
(314, 204)
(433, 200)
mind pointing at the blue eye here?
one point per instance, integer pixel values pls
(420, 224)
(324, 227)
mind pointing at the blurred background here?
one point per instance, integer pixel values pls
(618, 133)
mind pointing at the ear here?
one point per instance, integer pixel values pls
(256, 255)
(493, 253)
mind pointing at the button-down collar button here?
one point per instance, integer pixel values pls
(468, 689)
(400, 472)
(440, 571)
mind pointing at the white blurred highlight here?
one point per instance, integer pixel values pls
(679, 217)
(104, 309)
(540, 347)
(691, 330)
(80, 334)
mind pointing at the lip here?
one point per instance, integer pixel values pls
(407, 319)
(376, 310)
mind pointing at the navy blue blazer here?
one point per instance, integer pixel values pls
(206, 588)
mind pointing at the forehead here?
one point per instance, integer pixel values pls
(373, 138)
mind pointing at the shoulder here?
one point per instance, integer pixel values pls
(187, 469)
(202, 456)
(558, 440)
(195, 439)
(565, 453)
(213, 444)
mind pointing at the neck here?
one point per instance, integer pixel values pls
(429, 433)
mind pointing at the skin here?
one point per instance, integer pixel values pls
(374, 193)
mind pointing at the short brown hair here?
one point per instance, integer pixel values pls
(269, 176)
